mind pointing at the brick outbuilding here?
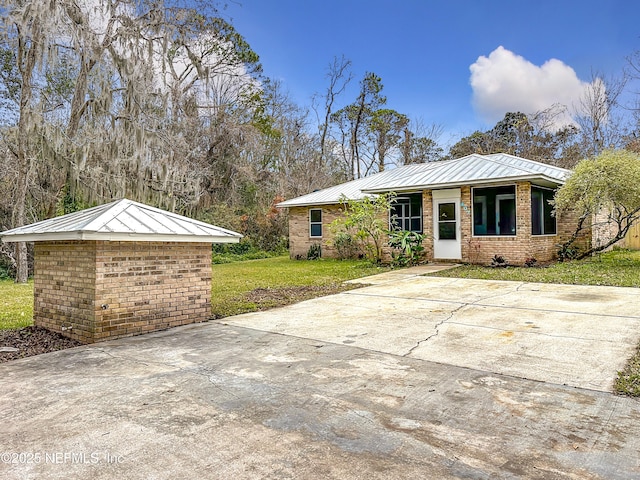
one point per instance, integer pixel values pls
(120, 269)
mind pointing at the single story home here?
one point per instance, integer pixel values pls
(470, 209)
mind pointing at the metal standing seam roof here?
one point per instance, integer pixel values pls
(122, 220)
(470, 170)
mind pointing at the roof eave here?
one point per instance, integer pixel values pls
(318, 204)
(491, 181)
(117, 237)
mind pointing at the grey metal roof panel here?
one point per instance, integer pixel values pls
(469, 170)
(355, 189)
(122, 220)
(475, 169)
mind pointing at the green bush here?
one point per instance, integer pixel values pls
(243, 250)
(315, 252)
(345, 245)
(407, 247)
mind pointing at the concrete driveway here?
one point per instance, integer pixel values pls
(565, 334)
(411, 378)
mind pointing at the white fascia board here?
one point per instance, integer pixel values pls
(492, 181)
(285, 204)
(118, 237)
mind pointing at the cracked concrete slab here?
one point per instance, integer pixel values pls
(566, 334)
(264, 396)
(221, 401)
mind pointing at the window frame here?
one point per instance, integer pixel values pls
(483, 199)
(407, 201)
(542, 213)
(315, 223)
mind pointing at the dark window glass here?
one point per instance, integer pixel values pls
(542, 220)
(494, 210)
(315, 222)
(447, 221)
(406, 213)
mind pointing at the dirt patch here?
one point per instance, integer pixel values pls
(265, 298)
(31, 341)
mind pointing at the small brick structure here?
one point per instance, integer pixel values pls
(93, 289)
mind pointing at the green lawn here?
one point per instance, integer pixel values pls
(247, 286)
(237, 287)
(16, 304)
(617, 268)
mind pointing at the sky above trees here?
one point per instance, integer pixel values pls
(462, 64)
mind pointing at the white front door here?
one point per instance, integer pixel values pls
(446, 224)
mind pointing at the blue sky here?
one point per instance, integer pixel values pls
(423, 51)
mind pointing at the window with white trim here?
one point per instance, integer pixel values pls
(315, 222)
(542, 220)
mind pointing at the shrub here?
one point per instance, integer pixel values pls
(499, 261)
(314, 252)
(345, 245)
(408, 249)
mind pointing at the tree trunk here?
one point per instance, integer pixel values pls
(26, 57)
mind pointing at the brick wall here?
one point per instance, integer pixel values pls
(300, 239)
(64, 288)
(105, 290)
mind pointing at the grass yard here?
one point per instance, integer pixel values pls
(252, 285)
(237, 287)
(620, 268)
(16, 304)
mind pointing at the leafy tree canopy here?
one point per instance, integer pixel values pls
(608, 185)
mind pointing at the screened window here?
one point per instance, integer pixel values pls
(542, 220)
(315, 222)
(406, 213)
(494, 211)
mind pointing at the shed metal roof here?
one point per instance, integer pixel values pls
(122, 220)
(470, 170)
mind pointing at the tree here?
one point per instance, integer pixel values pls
(606, 187)
(420, 144)
(535, 136)
(339, 77)
(596, 115)
(353, 119)
(367, 222)
(386, 126)
(115, 98)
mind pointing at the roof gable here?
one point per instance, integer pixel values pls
(122, 220)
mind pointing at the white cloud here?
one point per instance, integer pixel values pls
(505, 82)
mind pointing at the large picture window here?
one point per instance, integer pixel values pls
(406, 213)
(315, 222)
(542, 220)
(494, 211)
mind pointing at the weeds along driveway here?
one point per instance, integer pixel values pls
(565, 334)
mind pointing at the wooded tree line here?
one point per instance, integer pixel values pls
(164, 102)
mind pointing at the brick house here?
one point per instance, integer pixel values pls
(120, 269)
(470, 209)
